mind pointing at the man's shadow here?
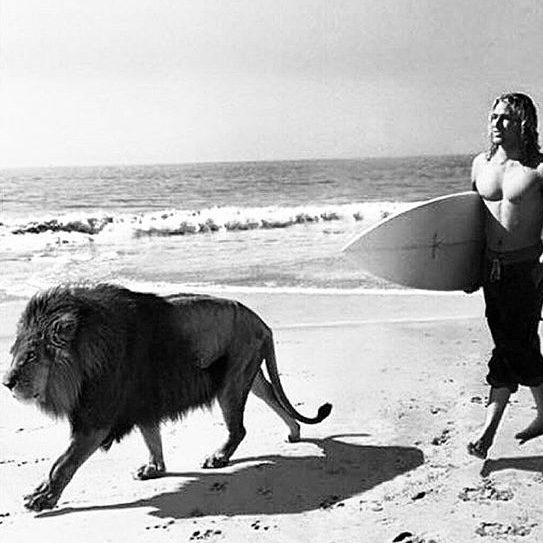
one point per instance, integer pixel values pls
(277, 484)
(522, 463)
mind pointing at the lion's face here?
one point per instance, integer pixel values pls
(27, 376)
(42, 364)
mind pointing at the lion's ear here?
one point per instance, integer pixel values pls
(65, 327)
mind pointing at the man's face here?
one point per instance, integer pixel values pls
(504, 126)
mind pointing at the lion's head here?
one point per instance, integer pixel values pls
(45, 367)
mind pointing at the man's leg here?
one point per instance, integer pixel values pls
(497, 403)
(535, 428)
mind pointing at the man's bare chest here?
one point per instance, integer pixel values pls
(510, 184)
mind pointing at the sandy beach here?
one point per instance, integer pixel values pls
(405, 374)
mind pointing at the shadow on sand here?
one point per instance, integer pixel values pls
(277, 484)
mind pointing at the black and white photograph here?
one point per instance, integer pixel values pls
(267, 271)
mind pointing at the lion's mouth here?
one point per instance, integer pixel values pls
(23, 396)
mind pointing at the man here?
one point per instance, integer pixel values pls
(509, 178)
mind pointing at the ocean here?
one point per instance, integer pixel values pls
(236, 225)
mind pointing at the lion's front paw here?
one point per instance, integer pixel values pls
(150, 471)
(42, 498)
(215, 461)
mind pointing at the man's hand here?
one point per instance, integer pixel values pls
(473, 288)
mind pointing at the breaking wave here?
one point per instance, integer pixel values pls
(186, 222)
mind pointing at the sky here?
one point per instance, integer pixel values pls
(174, 81)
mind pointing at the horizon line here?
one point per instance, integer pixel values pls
(219, 162)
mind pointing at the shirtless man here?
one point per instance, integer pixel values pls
(509, 178)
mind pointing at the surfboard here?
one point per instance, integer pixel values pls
(435, 245)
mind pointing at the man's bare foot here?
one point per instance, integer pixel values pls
(535, 429)
(478, 449)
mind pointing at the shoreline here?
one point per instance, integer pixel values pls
(292, 306)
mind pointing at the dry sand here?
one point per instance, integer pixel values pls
(405, 374)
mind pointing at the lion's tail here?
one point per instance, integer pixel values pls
(271, 366)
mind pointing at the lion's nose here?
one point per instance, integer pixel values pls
(9, 380)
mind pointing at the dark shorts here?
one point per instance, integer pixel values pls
(513, 311)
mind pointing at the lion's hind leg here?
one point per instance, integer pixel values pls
(263, 390)
(232, 399)
(232, 403)
(155, 467)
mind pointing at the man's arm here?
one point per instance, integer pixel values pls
(539, 169)
(475, 166)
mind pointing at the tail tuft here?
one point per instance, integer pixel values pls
(324, 411)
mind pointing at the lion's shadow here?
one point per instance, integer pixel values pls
(277, 484)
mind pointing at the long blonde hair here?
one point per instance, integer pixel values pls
(524, 110)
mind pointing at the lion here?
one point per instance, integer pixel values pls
(110, 359)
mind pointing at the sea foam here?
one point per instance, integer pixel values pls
(74, 228)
